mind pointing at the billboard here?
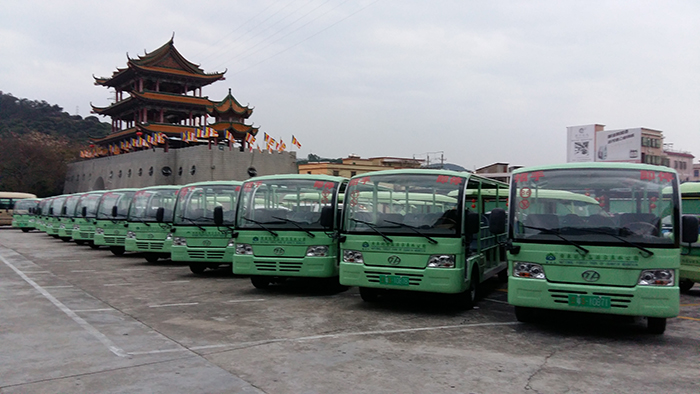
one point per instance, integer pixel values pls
(619, 145)
(580, 144)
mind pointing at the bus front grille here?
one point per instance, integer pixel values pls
(150, 245)
(413, 279)
(114, 240)
(282, 266)
(617, 300)
(205, 254)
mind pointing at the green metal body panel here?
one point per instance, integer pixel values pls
(690, 260)
(83, 229)
(112, 231)
(148, 238)
(206, 246)
(23, 221)
(285, 255)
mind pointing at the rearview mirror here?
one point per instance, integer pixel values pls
(690, 229)
(218, 215)
(114, 211)
(497, 222)
(160, 213)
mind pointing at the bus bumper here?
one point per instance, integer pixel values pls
(435, 280)
(307, 267)
(202, 255)
(648, 301)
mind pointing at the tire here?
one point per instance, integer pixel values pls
(467, 299)
(369, 294)
(25, 230)
(93, 246)
(686, 285)
(79, 242)
(525, 314)
(117, 250)
(656, 325)
(65, 239)
(260, 282)
(197, 269)
(503, 276)
(152, 257)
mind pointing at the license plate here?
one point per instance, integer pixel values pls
(589, 301)
(395, 280)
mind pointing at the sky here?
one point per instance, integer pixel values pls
(473, 82)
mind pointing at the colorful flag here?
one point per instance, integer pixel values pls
(281, 146)
(250, 138)
(295, 142)
(267, 138)
(259, 149)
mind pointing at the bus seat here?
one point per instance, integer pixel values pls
(600, 221)
(542, 220)
(571, 220)
(627, 218)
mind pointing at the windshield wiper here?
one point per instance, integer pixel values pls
(556, 233)
(648, 252)
(261, 225)
(312, 235)
(373, 227)
(143, 221)
(195, 223)
(415, 229)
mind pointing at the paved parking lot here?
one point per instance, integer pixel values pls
(78, 320)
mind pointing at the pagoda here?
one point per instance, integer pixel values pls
(159, 103)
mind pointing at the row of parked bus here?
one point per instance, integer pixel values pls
(594, 237)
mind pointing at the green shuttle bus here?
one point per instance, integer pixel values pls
(53, 219)
(24, 214)
(196, 239)
(67, 217)
(421, 230)
(85, 214)
(690, 257)
(286, 226)
(42, 213)
(588, 237)
(110, 225)
(145, 233)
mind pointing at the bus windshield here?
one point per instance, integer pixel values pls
(286, 203)
(119, 199)
(195, 204)
(22, 206)
(146, 203)
(71, 202)
(404, 203)
(89, 201)
(56, 205)
(595, 206)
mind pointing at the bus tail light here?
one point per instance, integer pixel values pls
(528, 270)
(441, 261)
(656, 278)
(353, 256)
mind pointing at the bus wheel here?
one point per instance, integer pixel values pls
(117, 250)
(93, 246)
(260, 282)
(197, 269)
(656, 325)
(25, 230)
(503, 276)
(369, 294)
(152, 257)
(78, 242)
(686, 285)
(525, 314)
(65, 239)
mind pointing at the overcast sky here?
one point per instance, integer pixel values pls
(481, 81)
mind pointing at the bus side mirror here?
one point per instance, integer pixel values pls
(160, 214)
(51, 211)
(497, 222)
(473, 223)
(218, 215)
(83, 212)
(114, 211)
(690, 228)
(326, 219)
(63, 211)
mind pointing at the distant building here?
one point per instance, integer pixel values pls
(498, 171)
(635, 145)
(354, 165)
(682, 162)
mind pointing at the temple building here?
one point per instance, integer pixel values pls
(158, 102)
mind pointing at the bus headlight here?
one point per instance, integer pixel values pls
(317, 251)
(441, 261)
(179, 241)
(169, 237)
(656, 278)
(244, 249)
(76, 228)
(130, 234)
(353, 256)
(62, 226)
(99, 230)
(528, 270)
(231, 243)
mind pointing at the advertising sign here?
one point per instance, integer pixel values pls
(619, 145)
(580, 144)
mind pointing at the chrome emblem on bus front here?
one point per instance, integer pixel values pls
(590, 276)
(394, 260)
(278, 251)
(206, 242)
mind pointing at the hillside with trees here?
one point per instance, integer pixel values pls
(37, 141)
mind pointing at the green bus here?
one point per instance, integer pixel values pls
(85, 218)
(53, 219)
(588, 237)
(196, 239)
(421, 230)
(286, 226)
(145, 233)
(110, 223)
(42, 214)
(24, 214)
(7, 202)
(690, 257)
(67, 217)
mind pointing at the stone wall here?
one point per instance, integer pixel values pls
(187, 165)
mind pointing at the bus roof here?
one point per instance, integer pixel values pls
(595, 165)
(16, 195)
(690, 188)
(317, 177)
(214, 183)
